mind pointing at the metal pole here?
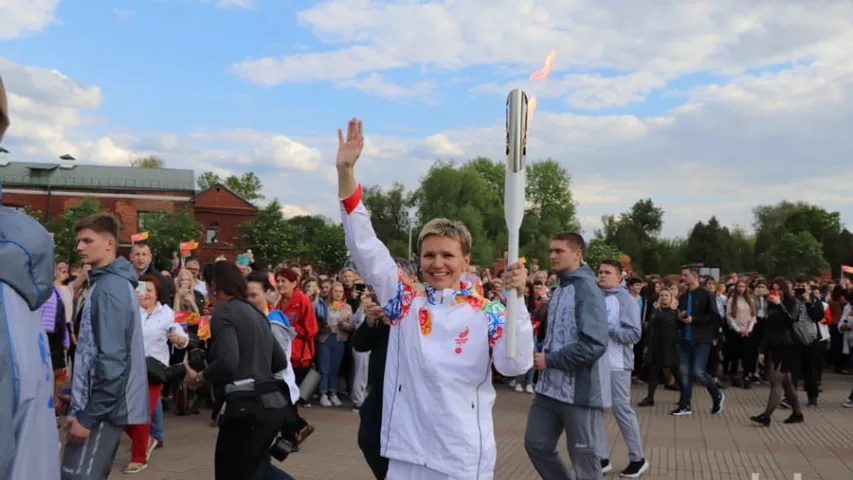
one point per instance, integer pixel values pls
(410, 240)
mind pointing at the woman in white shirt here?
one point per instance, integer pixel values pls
(158, 330)
(444, 338)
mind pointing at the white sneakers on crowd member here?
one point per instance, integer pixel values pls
(333, 397)
(324, 401)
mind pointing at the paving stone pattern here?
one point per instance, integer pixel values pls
(697, 447)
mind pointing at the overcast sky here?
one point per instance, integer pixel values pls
(706, 107)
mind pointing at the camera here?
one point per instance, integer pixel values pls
(197, 359)
(281, 448)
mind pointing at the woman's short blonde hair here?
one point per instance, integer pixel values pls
(443, 227)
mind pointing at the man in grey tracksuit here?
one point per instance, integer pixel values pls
(110, 384)
(29, 443)
(574, 382)
(625, 329)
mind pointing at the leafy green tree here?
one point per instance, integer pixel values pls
(597, 250)
(389, 215)
(148, 161)
(636, 232)
(710, 244)
(473, 193)
(166, 231)
(317, 239)
(773, 221)
(248, 186)
(742, 251)
(793, 254)
(267, 235)
(62, 228)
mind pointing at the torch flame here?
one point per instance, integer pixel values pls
(539, 76)
(542, 74)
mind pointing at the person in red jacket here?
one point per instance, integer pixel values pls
(298, 308)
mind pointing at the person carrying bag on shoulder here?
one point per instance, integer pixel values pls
(241, 365)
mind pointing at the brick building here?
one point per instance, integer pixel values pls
(220, 211)
(129, 193)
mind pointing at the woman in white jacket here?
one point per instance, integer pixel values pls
(158, 330)
(445, 336)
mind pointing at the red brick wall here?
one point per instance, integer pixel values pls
(124, 208)
(218, 207)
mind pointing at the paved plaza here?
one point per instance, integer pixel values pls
(702, 446)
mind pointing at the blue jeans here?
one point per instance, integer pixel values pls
(694, 359)
(268, 471)
(525, 379)
(157, 421)
(330, 354)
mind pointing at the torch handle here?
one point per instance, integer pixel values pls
(512, 298)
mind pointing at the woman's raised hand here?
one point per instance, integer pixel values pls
(349, 148)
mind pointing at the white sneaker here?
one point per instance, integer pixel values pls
(529, 389)
(511, 383)
(324, 401)
(519, 388)
(333, 397)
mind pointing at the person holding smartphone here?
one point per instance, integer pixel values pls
(700, 320)
(781, 352)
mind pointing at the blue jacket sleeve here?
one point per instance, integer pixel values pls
(112, 317)
(592, 335)
(630, 330)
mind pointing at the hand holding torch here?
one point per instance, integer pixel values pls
(514, 197)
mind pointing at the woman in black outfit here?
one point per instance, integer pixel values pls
(661, 345)
(780, 351)
(243, 356)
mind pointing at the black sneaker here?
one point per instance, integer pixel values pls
(794, 418)
(635, 469)
(761, 419)
(680, 411)
(606, 466)
(718, 405)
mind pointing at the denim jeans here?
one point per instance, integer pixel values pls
(157, 421)
(694, 360)
(268, 471)
(525, 379)
(330, 354)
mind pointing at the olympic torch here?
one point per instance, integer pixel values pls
(514, 196)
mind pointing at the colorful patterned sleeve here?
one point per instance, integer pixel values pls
(523, 361)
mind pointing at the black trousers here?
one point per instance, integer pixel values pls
(739, 351)
(241, 449)
(370, 433)
(810, 367)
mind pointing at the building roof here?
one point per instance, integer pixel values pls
(95, 177)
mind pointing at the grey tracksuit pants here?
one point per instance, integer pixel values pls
(547, 420)
(93, 459)
(626, 418)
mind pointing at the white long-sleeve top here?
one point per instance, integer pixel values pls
(438, 394)
(156, 327)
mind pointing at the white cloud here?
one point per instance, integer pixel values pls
(23, 17)
(375, 84)
(246, 4)
(767, 121)
(290, 211)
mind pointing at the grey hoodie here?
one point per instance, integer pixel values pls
(29, 441)
(624, 327)
(110, 377)
(575, 341)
